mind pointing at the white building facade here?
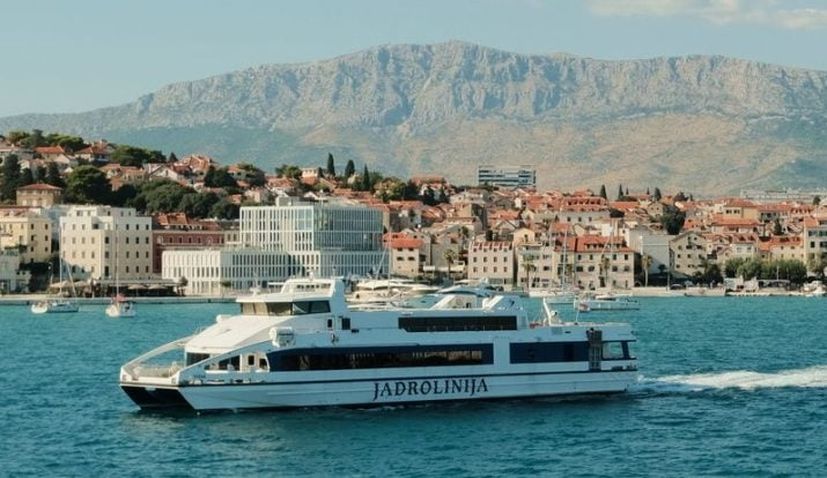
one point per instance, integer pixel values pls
(106, 243)
(289, 239)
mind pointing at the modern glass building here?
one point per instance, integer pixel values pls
(290, 239)
(507, 176)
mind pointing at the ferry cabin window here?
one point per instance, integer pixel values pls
(285, 308)
(193, 358)
(457, 324)
(387, 357)
(548, 352)
(613, 351)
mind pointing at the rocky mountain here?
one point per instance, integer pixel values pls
(705, 124)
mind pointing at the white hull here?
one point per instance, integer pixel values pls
(552, 297)
(398, 390)
(605, 305)
(61, 307)
(120, 310)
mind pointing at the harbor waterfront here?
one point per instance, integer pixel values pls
(728, 386)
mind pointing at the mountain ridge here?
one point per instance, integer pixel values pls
(453, 105)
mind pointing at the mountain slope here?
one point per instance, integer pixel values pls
(445, 108)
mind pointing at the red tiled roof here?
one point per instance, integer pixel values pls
(39, 187)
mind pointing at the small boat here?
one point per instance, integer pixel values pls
(608, 301)
(814, 289)
(60, 304)
(54, 306)
(120, 307)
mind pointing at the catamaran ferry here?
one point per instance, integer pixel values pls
(304, 346)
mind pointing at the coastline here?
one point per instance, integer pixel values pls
(29, 299)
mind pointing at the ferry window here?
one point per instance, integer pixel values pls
(457, 324)
(319, 307)
(193, 358)
(627, 350)
(278, 308)
(251, 360)
(229, 364)
(248, 308)
(386, 357)
(345, 324)
(545, 352)
(613, 351)
(301, 308)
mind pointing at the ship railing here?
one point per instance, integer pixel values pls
(139, 367)
(207, 371)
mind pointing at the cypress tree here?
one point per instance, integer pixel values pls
(331, 168)
(366, 185)
(350, 168)
(619, 192)
(603, 192)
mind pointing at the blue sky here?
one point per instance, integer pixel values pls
(60, 56)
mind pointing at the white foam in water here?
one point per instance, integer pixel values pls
(810, 377)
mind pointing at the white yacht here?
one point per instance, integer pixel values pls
(814, 289)
(55, 306)
(608, 301)
(555, 296)
(303, 346)
(385, 290)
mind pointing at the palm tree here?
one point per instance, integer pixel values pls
(646, 263)
(604, 271)
(449, 256)
(528, 265)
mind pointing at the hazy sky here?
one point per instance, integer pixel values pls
(78, 55)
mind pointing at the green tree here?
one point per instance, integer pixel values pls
(289, 171)
(26, 178)
(88, 185)
(11, 178)
(199, 205)
(350, 168)
(366, 183)
(255, 176)
(53, 176)
(219, 178)
(816, 200)
(331, 167)
(672, 219)
(35, 139)
(657, 196)
(68, 142)
(136, 157)
(17, 136)
(731, 266)
(620, 192)
(125, 196)
(167, 197)
(40, 174)
(224, 209)
(172, 158)
(603, 192)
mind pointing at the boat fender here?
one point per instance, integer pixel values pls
(333, 338)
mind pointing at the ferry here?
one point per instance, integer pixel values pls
(305, 347)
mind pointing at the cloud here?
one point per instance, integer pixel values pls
(721, 12)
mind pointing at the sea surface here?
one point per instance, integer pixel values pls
(728, 387)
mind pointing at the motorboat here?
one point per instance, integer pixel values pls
(607, 301)
(305, 346)
(388, 290)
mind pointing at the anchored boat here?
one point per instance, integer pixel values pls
(303, 346)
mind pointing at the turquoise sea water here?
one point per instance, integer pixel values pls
(729, 387)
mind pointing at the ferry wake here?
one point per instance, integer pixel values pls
(304, 346)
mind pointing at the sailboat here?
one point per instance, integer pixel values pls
(57, 305)
(120, 305)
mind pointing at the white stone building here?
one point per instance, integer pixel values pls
(103, 242)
